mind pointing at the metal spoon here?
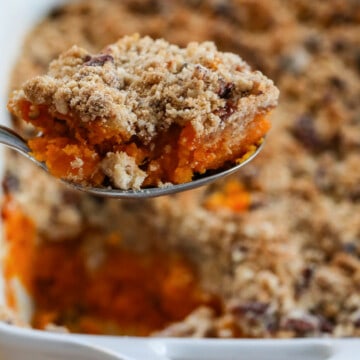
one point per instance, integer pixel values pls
(14, 141)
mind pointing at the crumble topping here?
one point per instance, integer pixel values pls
(177, 112)
(141, 86)
(123, 170)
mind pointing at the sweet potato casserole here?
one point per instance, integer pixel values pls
(271, 252)
(144, 112)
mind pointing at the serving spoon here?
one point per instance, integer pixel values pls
(14, 141)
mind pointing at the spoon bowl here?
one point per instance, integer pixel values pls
(14, 141)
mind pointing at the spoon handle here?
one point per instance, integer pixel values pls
(14, 141)
(11, 139)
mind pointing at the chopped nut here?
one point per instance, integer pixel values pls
(99, 60)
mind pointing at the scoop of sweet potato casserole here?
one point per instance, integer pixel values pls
(144, 112)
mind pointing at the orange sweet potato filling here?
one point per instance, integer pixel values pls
(20, 236)
(64, 140)
(233, 197)
(129, 293)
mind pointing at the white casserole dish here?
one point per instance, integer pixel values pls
(16, 17)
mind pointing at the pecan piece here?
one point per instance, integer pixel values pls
(357, 322)
(254, 307)
(99, 60)
(10, 183)
(304, 130)
(226, 111)
(325, 325)
(225, 89)
(300, 326)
